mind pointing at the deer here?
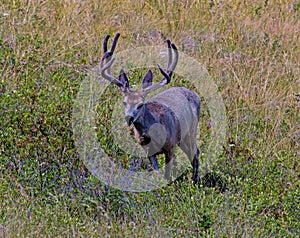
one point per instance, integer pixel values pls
(174, 111)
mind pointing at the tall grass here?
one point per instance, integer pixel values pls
(251, 50)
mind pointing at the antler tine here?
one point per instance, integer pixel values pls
(105, 43)
(165, 74)
(105, 56)
(108, 64)
(108, 54)
(105, 68)
(175, 58)
(169, 53)
(172, 62)
(114, 44)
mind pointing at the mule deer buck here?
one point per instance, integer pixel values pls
(176, 109)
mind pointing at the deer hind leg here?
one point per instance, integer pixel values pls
(195, 164)
(189, 147)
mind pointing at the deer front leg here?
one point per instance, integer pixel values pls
(168, 163)
(154, 163)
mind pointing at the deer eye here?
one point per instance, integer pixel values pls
(140, 106)
(124, 103)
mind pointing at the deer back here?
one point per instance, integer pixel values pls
(184, 104)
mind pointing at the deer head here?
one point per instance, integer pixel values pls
(134, 101)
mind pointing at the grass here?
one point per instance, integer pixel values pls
(251, 51)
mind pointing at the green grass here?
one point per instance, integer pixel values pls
(251, 51)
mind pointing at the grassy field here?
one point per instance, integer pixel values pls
(251, 50)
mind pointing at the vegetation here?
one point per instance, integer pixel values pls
(251, 50)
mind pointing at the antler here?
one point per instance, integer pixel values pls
(105, 67)
(172, 62)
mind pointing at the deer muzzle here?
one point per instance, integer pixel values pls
(129, 120)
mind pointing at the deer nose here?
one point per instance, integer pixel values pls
(129, 120)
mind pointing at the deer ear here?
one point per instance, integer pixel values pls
(124, 80)
(147, 81)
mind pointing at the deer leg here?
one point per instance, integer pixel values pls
(191, 150)
(195, 164)
(168, 163)
(153, 161)
(186, 149)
